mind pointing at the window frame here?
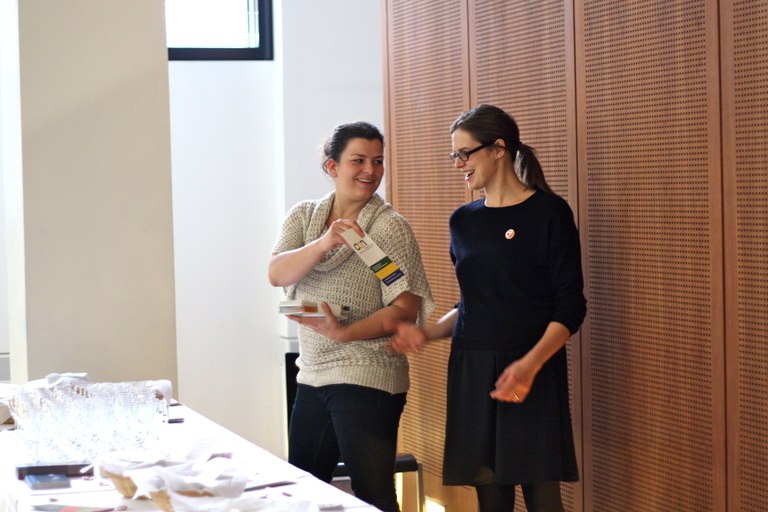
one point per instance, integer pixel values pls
(265, 50)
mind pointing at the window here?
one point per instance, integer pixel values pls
(219, 29)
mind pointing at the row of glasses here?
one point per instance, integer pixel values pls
(80, 422)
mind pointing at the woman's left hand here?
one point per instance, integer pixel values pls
(327, 325)
(514, 383)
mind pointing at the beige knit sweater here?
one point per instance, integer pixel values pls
(342, 278)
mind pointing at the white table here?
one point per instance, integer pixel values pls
(16, 496)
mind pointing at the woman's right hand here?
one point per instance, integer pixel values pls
(333, 238)
(407, 338)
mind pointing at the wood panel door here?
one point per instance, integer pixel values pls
(651, 214)
(745, 178)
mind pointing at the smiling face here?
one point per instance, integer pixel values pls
(481, 167)
(359, 170)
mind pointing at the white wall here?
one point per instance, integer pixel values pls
(98, 261)
(224, 160)
(333, 73)
(245, 146)
(12, 315)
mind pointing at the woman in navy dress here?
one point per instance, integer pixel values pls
(517, 259)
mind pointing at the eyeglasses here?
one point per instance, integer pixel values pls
(464, 155)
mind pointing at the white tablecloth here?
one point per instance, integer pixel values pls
(306, 493)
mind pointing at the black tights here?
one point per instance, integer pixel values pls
(539, 497)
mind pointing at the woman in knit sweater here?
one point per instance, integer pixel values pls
(351, 389)
(517, 260)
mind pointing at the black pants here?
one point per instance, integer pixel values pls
(358, 424)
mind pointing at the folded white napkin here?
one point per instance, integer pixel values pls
(57, 379)
(6, 392)
(218, 477)
(118, 463)
(163, 389)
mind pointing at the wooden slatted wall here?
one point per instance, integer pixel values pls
(650, 118)
(650, 199)
(745, 169)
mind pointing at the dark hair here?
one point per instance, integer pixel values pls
(335, 145)
(487, 123)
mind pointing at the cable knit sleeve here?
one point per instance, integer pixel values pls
(293, 229)
(293, 235)
(395, 237)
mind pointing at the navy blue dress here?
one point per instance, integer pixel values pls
(518, 268)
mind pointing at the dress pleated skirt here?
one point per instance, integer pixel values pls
(508, 443)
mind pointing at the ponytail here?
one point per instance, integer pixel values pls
(529, 169)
